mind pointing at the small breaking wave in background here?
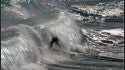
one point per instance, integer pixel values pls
(62, 35)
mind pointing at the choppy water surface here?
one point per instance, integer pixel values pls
(62, 35)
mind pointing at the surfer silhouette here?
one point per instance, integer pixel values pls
(54, 40)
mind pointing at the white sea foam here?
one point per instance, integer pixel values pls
(118, 32)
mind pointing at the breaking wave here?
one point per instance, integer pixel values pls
(41, 35)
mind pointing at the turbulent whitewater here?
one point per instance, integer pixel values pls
(62, 35)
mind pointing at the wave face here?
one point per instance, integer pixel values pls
(66, 35)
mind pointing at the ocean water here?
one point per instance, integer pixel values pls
(62, 35)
